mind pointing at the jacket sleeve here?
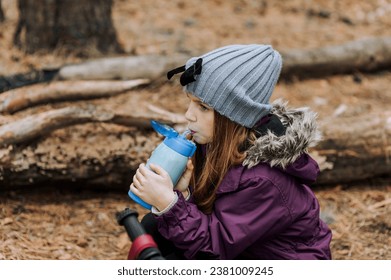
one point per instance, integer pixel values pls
(256, 210)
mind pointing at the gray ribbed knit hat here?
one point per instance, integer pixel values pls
(236, 81)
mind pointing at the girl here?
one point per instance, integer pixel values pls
(245, 193)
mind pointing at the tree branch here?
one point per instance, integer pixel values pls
(21, 98)
(41, 124)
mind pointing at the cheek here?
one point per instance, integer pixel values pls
(209, 130)
(205, 135)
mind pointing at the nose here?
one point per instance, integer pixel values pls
(189, 115)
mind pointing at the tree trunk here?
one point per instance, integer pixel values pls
(73, 25)
(2, 17)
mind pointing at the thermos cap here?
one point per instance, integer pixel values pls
(173, 140)
(181, 146)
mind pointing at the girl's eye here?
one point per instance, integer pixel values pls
(204, 108)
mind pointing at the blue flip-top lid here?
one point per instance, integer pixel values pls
(174, 140)
(164, 129)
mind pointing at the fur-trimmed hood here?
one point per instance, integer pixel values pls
(301, 133)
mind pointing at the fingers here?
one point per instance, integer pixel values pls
(186, 177)
(139, 179)
(133, 189)
(153, 168)
(143, 174)
(189, 168)
(190, 165)
(157, 169)
(135, 185)
(184, 181)
(143, 169)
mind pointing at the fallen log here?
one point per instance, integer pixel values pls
(77, 159)
(25, 79)
(353, 149)
(364, 55)
(25, 97)
(41, 124)
(125, 68)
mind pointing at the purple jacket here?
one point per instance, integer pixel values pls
(264, 208)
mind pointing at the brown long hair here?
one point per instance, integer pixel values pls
(226, 149)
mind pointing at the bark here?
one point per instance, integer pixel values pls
(2, 17)
(21, 98)
(353, 149)
(25, 79)
(365, 55)
(73, 25)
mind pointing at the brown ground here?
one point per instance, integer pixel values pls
(58, 222)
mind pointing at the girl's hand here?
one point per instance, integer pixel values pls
(184, 181)
(153, 186)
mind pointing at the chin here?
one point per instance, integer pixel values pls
(200, 140)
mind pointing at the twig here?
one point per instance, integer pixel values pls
(380, 204)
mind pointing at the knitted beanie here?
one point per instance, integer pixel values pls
(237, 81)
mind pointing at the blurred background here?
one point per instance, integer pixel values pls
(60, 189)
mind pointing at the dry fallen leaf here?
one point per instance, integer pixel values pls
(6, 221)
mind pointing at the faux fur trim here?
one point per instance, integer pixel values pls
(301, 133)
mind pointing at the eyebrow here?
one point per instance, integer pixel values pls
(193, 98)
(197, 100)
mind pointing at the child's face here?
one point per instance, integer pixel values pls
(200, 119)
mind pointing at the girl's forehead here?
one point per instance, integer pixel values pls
(198, 100)
(192, 97)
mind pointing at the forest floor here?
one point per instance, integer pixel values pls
(62, 222)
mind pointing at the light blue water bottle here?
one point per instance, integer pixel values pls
(172, 155)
